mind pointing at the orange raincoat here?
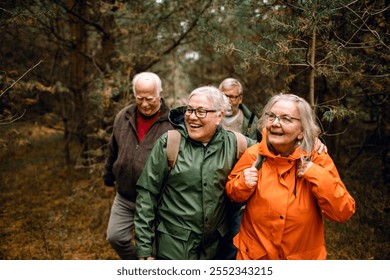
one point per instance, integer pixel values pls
(284, 214)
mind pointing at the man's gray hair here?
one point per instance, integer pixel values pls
(147, 76)
(228, 83)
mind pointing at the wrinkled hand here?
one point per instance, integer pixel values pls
(303, 166)
(320, 147)
(251, 176)
(148, 258)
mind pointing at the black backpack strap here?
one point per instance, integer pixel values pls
(250, 122)
(260, 159)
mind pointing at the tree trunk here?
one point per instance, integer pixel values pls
(78, 72)
(312, 68)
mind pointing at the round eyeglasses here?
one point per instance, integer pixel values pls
(286, 119)
(233, 97)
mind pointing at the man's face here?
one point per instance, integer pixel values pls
(235, 99)
(146, 97)
(202, 129)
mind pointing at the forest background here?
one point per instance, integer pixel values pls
(66, 68)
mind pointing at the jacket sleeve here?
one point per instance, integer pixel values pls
(333, 198)
(148, 191)
(236, 188)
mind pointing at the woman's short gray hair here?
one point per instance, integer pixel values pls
(218, 99)
(310, 128)
(148, 75)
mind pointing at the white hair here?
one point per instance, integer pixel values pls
(147, 76)
(218, 99)
(229, 83)
(310, 128)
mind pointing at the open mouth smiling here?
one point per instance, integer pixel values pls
(192, 125)
(277, 133)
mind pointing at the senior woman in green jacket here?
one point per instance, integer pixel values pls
(191, 218)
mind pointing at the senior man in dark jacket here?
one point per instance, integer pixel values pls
(191, 218)
(136, 129)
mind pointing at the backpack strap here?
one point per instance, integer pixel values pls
(250, 122)
(173, 144)
(242, 145)
(260, 159)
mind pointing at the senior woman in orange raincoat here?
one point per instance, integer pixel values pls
(294, 188)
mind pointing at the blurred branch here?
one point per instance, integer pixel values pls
(21, 77)
(182, 36)
(364, 18)
(12, 119)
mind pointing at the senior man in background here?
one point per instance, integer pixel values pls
(136, 128)
(239, 118)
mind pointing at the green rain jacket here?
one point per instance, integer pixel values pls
(191, 217)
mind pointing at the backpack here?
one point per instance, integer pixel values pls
(173, 144)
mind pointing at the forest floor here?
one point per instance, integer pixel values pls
(51, 211)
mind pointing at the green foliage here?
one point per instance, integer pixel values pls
(337, 113)
(92, 50)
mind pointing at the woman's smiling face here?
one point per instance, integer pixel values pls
(283, 136)
(202, 129)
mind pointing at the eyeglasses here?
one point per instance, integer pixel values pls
(233, 97)
(282, 119)
(200, 113)
(147, 99)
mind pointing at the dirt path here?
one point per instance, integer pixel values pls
(49, 211)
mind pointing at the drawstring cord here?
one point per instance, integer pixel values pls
(295, 179)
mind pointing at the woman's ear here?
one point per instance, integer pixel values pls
(220, 117)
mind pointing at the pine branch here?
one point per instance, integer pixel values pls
(21, 77)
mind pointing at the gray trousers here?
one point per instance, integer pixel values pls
(120, 228)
